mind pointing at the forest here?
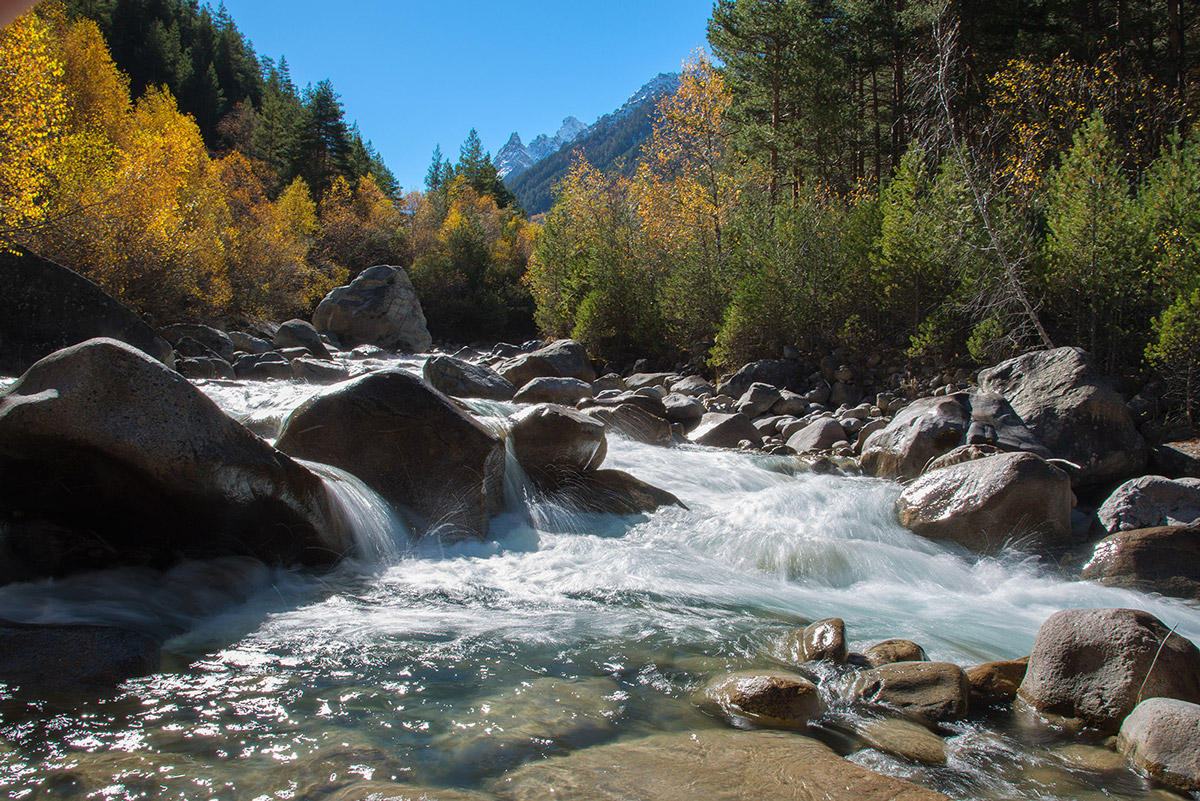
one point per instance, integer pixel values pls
(959, 182)
(962, 182)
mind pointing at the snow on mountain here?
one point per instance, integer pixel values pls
(514, 158)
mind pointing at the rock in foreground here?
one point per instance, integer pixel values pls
(74, 657)
(777, 700)
(107, 457)
(1164, 559)
(1162, 738)
(708, 765)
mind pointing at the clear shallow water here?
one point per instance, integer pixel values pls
(446, 665)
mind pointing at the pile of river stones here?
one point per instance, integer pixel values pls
(110, 455)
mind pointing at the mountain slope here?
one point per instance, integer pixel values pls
(612, 142)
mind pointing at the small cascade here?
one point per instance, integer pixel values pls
(380, 536)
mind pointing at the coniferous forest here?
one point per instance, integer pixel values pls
(957, 181)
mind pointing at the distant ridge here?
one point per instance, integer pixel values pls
(612, 139)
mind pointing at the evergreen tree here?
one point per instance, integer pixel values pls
(324, 142)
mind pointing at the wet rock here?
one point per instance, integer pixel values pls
(554, 443)
(903, 739)
(46, 307)
(379, 307)
(564, 358)
(634, 422)
(73, 657)
(1072, 412)
(823, 640)
(301, 334)
(538, 719)
(315, 371)
(1151, 501)
(410, 444)
(1161, 737)
(923, 431)
(988, 503)
(612, 492)
(1163, 559)
(565, 391)
(708, 764)
(818, 435)
(109, 458)
(931, 692)
(776, 700)
(204, 367)
(1090, 667)
(461, 379)
(263, 367)
(722, 430)
(996, 682)
(896, 650)
(336, 770)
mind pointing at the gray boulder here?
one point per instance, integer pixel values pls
(758, 399)
(218, 342)
(1161, 737)
(565, 391)
(693, 386)
(301, 334)
(721, 430)
(564, 358)
(272, 365)
(204, 367)
(781, 373)
(1072, 412)
(987, 503)
(819, 435)
(408, 442)
(379, 307)
(111, 458)
(683, 409)
(45, 307)
(315, 371)
(74, 657)
(776, 700)
(1151, 501)
(1091, 667)
(930, 692)
(461, 379)
(249, 343)
(1163, 559)
(613, 492)
(553, 444)
(634, 422)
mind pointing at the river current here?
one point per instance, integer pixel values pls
(445, 665)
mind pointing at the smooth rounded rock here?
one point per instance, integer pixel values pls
(1091, 667)
(931, 692)
(634, 422)
(818, 435)
(1165, 560)
(903, 738)
(564, 358)
(894, 650)
(1161, 737)
(564, 391)
(379, 307)
(996, 682)
(1150, 501)
(767, 700)
(721, 430)
(461, 379)
(554, 443)
(824, 640)
(301, 334)
(74, 657)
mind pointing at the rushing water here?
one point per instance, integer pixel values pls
(447, 665)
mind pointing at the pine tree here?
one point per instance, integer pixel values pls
(324, 145)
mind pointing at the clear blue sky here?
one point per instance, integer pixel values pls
(416, 74)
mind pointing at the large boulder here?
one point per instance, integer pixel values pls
(708, 764)
(824, 640)
(1161, 737)
(1091, 667)
(996, 682)
(74, 657)
(1164, 559)
(780, 373)
(986, 503)
(634, 422)
(929, 428)
(613, 492)
(379, 307)
(721, 430)
(564, 358)
(108, 457)
(682, 409)
(1072, 412)
(758, 399)
(1151, 501)
(819, 435)
(931, 692)
(46, 307)
(216, 341)
(461, 379)
(553, 443)
(775, 700)
(410, 444)
(547, 389)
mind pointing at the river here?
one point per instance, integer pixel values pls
(446, 665)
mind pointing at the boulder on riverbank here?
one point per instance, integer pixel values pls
(564, 358)
(1151, 501)
(1091, 667)
(461, 379)
(410, 444)
(379, 307)
(987, 503)
(1161, 737)
(110, 458)
(553, 444)
(1163, 559)
(45, 307)
(1070, 409)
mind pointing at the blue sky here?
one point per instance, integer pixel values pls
(416, 74)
